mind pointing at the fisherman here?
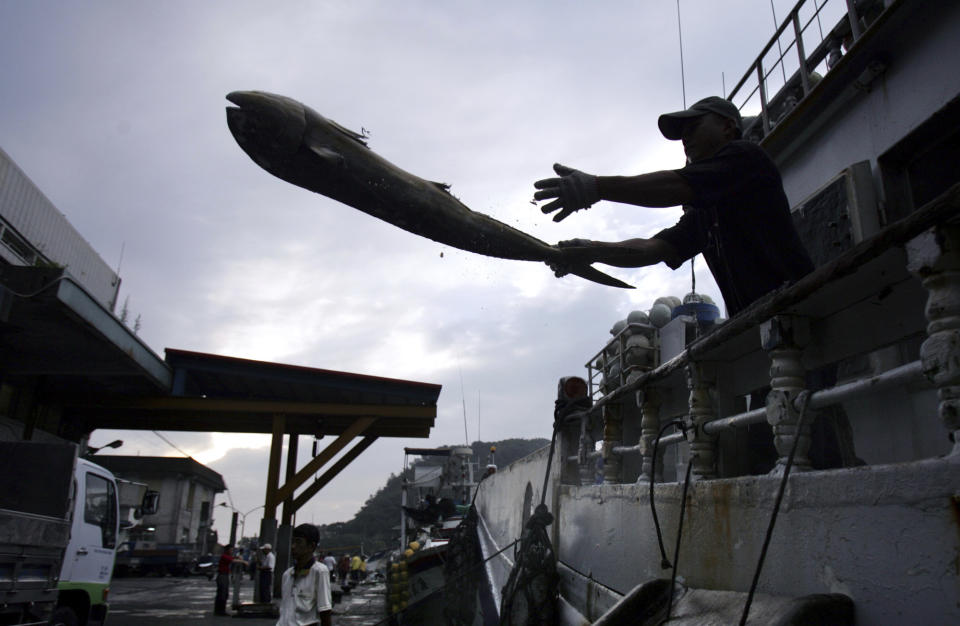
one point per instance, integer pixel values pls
(735, 210)
(735, 213)
(268, 561)
(306, 599)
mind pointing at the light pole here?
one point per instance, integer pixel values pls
(243, 516)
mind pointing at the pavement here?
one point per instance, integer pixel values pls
(189, 600)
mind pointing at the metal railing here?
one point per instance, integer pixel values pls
(828, 317)
(774, 83)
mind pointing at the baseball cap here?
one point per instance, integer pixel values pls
(671, 124)
(266, 546)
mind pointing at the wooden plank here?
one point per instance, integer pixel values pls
(311, 468)
(331, 473)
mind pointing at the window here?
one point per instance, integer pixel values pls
(923, 164)
(191, 493)
(100, 508)
(18, 245)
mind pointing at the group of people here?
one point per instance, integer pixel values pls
(346, 568)
(305, 598)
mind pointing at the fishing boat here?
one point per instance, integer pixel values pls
(433, 504)
(797, 463)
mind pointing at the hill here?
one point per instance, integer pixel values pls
(375, 524)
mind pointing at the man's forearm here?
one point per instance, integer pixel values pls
(631, 253)
(656, 189)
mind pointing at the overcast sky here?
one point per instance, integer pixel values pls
(115, 110)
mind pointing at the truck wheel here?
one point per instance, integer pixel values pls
(64, 616)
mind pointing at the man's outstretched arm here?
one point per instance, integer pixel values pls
(629, 253)
(575, 190)
(656, 189)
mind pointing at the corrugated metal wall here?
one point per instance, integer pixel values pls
(25, 209)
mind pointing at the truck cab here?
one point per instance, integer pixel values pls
(88, 560)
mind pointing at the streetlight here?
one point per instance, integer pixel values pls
(116, 443)
(243, 516)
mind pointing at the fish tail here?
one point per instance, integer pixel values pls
(595, 275)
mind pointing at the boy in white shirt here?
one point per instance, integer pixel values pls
(306, 598)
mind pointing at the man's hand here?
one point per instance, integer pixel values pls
(574, 252)
(573, 191)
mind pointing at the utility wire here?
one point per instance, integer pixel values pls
(172, 445)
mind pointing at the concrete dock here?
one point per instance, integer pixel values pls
(170, 600)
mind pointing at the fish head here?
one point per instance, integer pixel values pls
(269, 128)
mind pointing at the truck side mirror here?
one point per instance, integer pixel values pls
(150, 503)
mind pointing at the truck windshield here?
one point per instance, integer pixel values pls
(100, 508)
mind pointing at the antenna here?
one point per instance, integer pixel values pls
(123, 245)
(683, 81)
(478, 415)
(683, 87)
(463, 400)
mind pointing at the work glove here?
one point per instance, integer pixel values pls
(574, 190)
(562, 266)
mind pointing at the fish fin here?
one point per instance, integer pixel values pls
(595, 275)
(331, 157)
(352, 134)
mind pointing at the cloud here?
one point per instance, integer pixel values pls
(116, 111)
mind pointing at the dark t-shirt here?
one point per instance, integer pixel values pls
(740, 221)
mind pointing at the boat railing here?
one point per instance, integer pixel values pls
(774, 84)
(891, 302)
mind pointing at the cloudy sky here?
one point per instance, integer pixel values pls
(116, 111)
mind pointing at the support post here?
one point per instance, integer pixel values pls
(612, 436)
(285, 531)
(273, 469)
(934, 257)
(649, 427)
(783, 337)
(293, 441)
(703, 452)
(586, 459)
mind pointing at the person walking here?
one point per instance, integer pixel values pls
(305, 598)
(331, 564)
(343, 569)
(268, 561)
(355, 569)
(223, 579)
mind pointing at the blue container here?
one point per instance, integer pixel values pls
(705, 314)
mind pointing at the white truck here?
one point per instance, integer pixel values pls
(60, 517)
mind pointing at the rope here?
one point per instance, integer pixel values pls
(664, 561)
(676, 550)
(463, 553)
(803, 398)
(529, 597)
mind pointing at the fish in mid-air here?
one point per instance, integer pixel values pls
(295, 143)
